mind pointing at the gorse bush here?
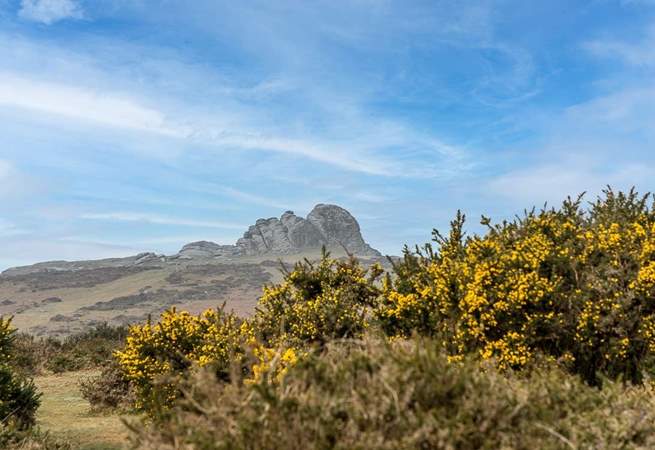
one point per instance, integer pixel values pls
(157, 356)
(373, 395)
(19, 399)
(496, 340)
(575, 285)
(317, 302)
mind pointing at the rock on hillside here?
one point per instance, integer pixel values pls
(340, 229)
(206, 249)
(142, 259)
(326, 225)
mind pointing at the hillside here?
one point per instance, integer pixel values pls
(63, 297)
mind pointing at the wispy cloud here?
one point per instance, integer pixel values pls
(159, 220)
(636, 52)
(23, 250)
(147, 244)
(13, 182)
(553, 183)
(112, 109)
(50, 11)
(5, 170)
(241, 196)
(370, 197)
(9, 229)
(104, 108)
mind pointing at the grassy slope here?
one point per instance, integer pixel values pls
(240, 299)
(65, 414)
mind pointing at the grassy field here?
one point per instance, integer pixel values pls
(64, 414)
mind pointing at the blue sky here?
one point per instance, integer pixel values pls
(133, 125)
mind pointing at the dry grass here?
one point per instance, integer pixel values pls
(66, 416)
(405, 395)
(35, 316)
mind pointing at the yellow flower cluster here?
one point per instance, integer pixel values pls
(6, 338)
(510, 351)
(161, 353)
(569, 284)
(272, 364)
(315, 303)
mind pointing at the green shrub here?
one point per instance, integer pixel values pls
(109, 390)
(405, 395)
(32, 439)
(85, 350)
(19, 399)
(317, 302)
(574, 284)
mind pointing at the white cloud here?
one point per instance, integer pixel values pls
(630, 111)
(640, 53)
(159, 220)
(554, 182)
(5, 170)
(638, 2)
(357, 154)
(163, 244)
(104, 108)
(242, 196)
(313, 149)
(24, 250)
(13, 183)
(50, 11)
(370, 197)
(9, 229)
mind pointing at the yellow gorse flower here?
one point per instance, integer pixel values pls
(563, 283)
(178, 342)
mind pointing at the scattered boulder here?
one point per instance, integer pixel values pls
(61, 318)
(206, 249)
(148, 257)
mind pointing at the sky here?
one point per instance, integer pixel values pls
(142, 125)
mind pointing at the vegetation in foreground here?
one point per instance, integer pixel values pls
(61, 370)
(86, 350)
(406, 395)
(19, 399)
(537, 334)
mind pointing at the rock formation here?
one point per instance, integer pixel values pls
(326, 225)
(206, 249)
(340, 229)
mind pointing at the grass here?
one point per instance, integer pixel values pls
(65, 415)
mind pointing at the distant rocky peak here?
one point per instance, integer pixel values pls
(326, 225)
